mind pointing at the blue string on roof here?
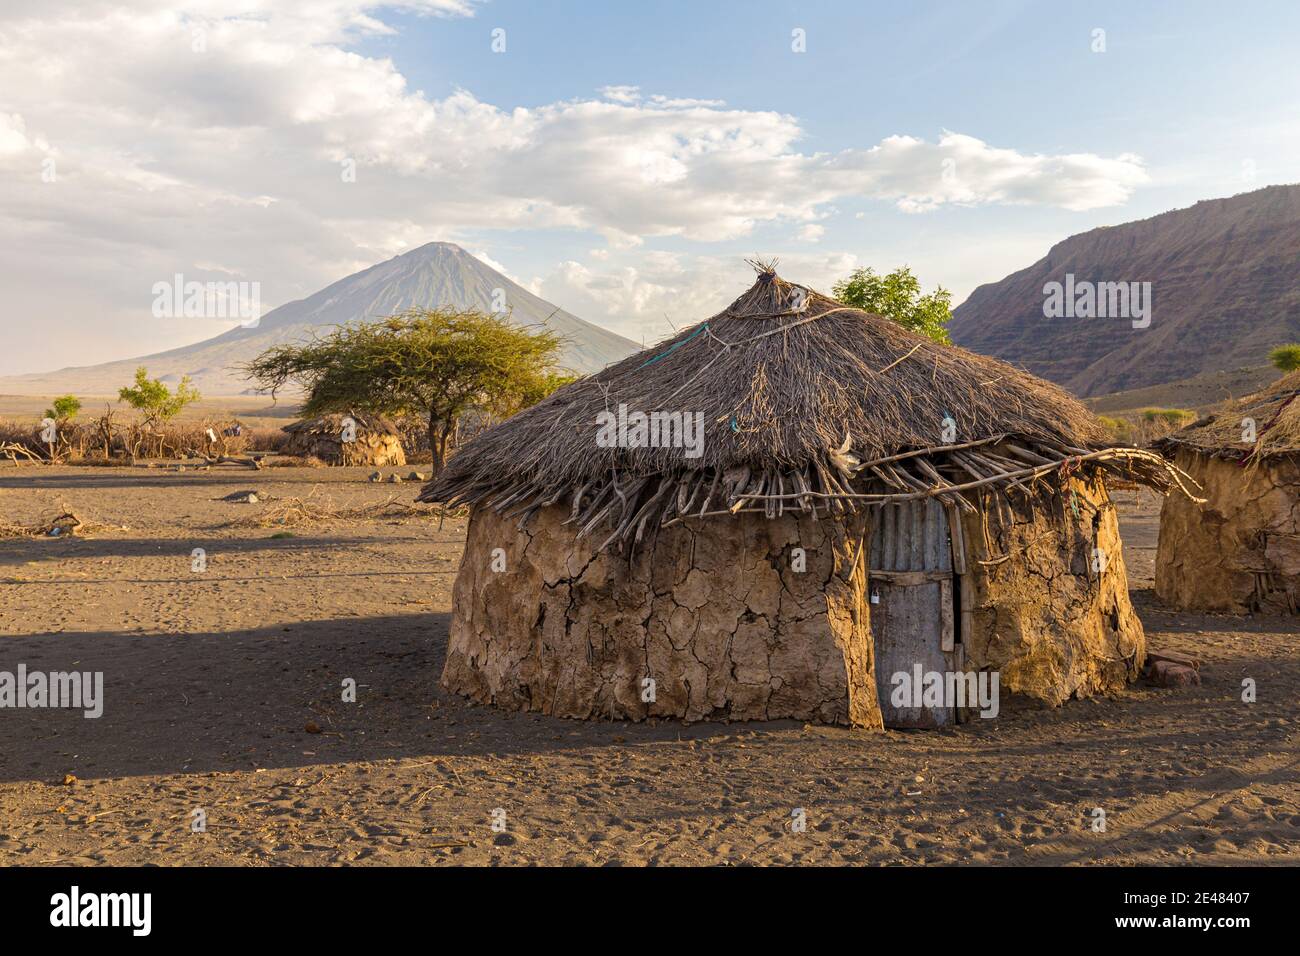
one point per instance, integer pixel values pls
(668, 351)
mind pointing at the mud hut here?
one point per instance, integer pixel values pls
(789, 511)
(347, 439)
(1240, 552)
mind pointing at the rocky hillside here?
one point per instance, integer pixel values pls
(1225, 289)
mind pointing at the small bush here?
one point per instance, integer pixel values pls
(1140, 428)
(155, 400)
(1121, 429)
(1285, 358)
(1176, 417)
(64, 409)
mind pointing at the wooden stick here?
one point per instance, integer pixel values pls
(899, 359)
(1026, 454)
(1108, 454)
(933, 450)
(957, 540)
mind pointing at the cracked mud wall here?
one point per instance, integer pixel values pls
(713, 612)
(371, 449)
(1240, 551)
(1054, 627)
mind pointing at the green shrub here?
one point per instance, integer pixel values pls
(1285, 357)
(1121, 429)
(1168, 416)
(64, 409)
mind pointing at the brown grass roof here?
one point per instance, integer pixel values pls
(332, 424)
(1275, 411)
(784, 377)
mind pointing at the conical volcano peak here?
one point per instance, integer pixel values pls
(438, 246)
(434, 275)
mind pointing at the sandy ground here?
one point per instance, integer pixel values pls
(212, 679)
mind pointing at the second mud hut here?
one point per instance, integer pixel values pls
(794, 509)
(1240, 552)
(347, 439)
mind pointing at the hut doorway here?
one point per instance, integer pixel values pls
(915, 608)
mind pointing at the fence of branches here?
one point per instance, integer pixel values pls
(116, 438)
(112, 437)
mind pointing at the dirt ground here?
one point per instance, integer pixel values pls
(212, 680)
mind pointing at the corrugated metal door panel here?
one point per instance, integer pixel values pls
(911, 536)
(912, 604)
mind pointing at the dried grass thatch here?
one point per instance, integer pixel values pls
(808, 405)
(1274, 411)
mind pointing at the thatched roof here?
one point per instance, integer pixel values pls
(332, 424)
(1275, 412)
(805, 403)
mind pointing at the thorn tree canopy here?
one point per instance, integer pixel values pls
(437, 364)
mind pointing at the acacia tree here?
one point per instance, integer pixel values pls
(438, 364)
(898, 296)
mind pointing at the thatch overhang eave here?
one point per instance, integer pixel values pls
(623, 508)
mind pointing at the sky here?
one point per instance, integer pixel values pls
(620, 159)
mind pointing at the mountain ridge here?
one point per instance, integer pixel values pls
(432, 275)
(1225, 277)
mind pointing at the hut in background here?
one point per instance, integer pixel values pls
(347, 439)
(864, 503)
(1240, 552)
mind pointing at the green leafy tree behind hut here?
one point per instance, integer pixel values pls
(898, 296)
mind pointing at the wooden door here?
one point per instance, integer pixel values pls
(910, 583)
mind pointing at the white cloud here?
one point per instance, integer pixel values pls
(622, 94)
(484, 256)
(13, 134)
(223, 135)
(662, 290)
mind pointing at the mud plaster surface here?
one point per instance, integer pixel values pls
(718, 618)
(1240, 552)
(716, 615)
(1054, 618)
